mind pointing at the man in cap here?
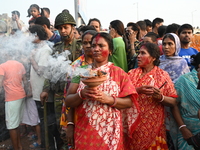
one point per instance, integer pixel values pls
(65, 24)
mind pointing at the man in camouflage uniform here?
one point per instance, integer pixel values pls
(65, 23)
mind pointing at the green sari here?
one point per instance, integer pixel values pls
(189, 104)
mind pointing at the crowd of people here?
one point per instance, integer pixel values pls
(148, 101)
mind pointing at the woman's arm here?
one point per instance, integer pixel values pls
(119, 103)
(70, 127)
(168, 101)
(73, 99)
(165, 100)
(186, 133)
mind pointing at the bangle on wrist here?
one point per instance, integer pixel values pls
(70, 123)
(79, 94)
(115, 102)
(182, 126)
(163, 97)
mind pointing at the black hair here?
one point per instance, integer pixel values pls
(185, 27)
(94, 19)
(46, 9)
(161, 31)
(152, 35)
(171, 37)
(195, 60)
(119, 28)
(107, 38)
(172, 28)
(78, 30)
(43, 21)
(153, 51)
(148, 22)
(134, 27)
(157, 20)
(40, 32)
(31, 21)
(91, 32)
(16, 13)
(85, 28)
(142, 25)
(29, 10)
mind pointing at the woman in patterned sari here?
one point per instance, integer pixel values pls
(99, 110)
(188, 105)
(155, 89)
(83, 60)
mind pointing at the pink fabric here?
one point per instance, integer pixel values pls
(13, 72)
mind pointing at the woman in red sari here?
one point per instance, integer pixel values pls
(99, 121)
(155, 90)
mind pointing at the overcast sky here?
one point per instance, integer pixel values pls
(172, 11)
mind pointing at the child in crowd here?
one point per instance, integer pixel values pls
(34, 11)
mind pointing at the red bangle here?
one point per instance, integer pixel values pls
(79, 93)
(115, 102)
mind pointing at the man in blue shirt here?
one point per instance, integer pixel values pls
(185, 33)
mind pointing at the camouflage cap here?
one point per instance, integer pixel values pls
(64, 18)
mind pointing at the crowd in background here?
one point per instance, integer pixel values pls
(148, 101)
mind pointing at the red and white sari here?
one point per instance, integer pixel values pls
(98, 125)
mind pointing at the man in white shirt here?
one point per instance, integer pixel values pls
(16, 23)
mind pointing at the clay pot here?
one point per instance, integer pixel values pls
(93, 81)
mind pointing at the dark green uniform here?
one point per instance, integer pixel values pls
(56, 91)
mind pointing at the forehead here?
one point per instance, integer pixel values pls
(167, 39)
(94, 23)
(33, 8)
(99, 40)
(129, 28)
(143, 49)
(187, 30)
(87, 37)
(65, 25)
(146, 38)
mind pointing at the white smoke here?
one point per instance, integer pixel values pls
(59, 68)
(16, 47)
(20, 47)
